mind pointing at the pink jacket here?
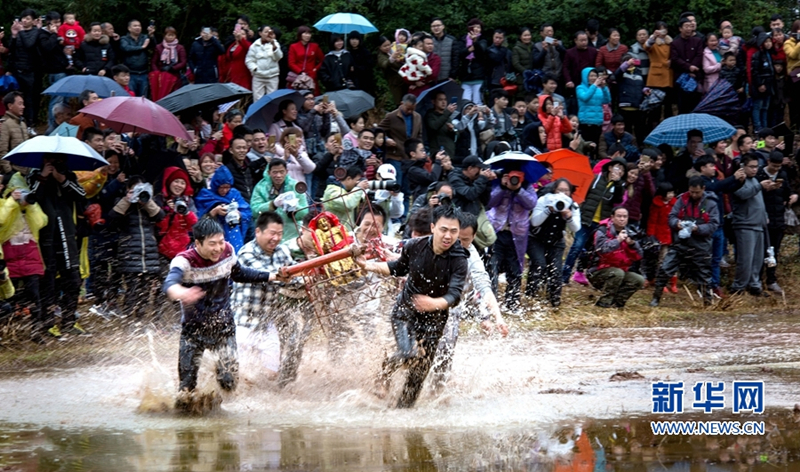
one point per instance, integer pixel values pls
(711, 69)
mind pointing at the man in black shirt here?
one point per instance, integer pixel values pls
(437, 269)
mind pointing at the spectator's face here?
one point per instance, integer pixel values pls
(123, 78)
(18, 107)
(619, 128)
(658, 162)
(620, 218)
(408, 107)
(709, 170)
(770, 142)
(306, 37)
(208, 166)
(212, 247)
(91, 99)
(686, 29)
(358, 125)
(445, 234)
(428, 45)
(692, 22)
(386, 47)
(575, 122)
(379, 139)
(501, 101)
(521, 106)
(472, 172)
(419, 153)
(633, 176)
(354, 42)
(135, 28)
(236, 120)
(239, 149)
(437, 28)
(338, 44)
(248, 138)
(350, 183)
(223, 189)
(498, 39)
(466, 236)
(177, 187)
(109, 141)
(169, 37)
(69, 19)
(550, 86)
(27, 21)
(269, 237)
(526, 37)
(97, 143)
(751, 168)
(205, 34)
(113, 164)
(767, 44)
(720, 147)
(108, 30)
(547, 32)
(563, 187)
(774, 167)
(548, 106)
(542, 135)
(729, 62)
(695, 142)
(366, 140)
(592, 77)
(747, 145)
(278, 175)
(245, 25)
(96, 32)
(440, 103)
(308, 103)
(290, 114)
(641, 36)
(260, 142)
(371, 226)
(726, 24)
(55, 23)
(776, 24)
(332, 145)
(696, 193)
(613, 38)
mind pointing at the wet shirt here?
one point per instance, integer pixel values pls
(435, 275)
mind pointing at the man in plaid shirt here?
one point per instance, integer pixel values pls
(260, 308)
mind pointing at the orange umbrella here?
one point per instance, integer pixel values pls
(572, 166)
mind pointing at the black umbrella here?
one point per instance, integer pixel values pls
(202, 95)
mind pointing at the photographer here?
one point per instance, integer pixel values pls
(175, 200)
(693, 221)
(135, 215)
(510, 207)
(419, 178)
(554, 212)
(57, 191)
(276, 192)
(342, 197)
(226, 205)
(385, 192)
(616, 252)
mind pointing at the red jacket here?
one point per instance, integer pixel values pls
(657, 222)
(611, 60)
(297, 59)
(553, 126)
(232, 68)
(174, 228)
(23, 260)
(611, 252)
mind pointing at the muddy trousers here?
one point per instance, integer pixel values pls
(294, 328)
(617, 286)
(691, 261)
(191, 353)
(60, 288)
(29, 298)
(415, 349)
(446, 349)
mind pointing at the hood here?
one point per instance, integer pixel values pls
(761, 38)
(402, 30)
(415, 51)
(172, 173)
(103, 40)
(542, 99)
(465, 105)
(356, 35)
(585, 75)
(221, 176)
(611, 162)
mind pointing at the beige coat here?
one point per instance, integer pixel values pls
(660, 74)
(13, 132)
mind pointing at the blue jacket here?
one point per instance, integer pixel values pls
(590, 100)
(208, 199)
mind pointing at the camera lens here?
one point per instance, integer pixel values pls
(514, 180)
(144, 197)
(560, 205)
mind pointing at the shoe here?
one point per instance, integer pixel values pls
(774, 287)
(54, 331)
(673, 284)
(31, 132)
(580, 278)
(603, 304)
(717, 292)
(723, 264)
(78, 330)
(98, 310)
(756, 292)
(649, 283)
(655, 302)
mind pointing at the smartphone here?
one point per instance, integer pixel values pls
(194, 162)
(152, 22)
(780, 181)
(338, 138)
(190, 132)
(644, 159)
(325, 99)
(549, 40)
(453, 100)
(293, 139)
(271, 140)
(237, 28)
(118, 138)
(43, 18)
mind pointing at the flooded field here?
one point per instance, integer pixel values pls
(535, 401)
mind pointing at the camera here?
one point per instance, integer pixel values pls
(27, 197)
(181, 206)
(60, 166)
(142, 193)
(559, 201)
(513, 180)
(233, 218)
(444, 199)
(390, 185)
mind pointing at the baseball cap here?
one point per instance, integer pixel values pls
(473, 161)
(387, 172)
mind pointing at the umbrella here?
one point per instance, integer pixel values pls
(136, 114)
(449, 87)
(65, 129)
(196, 95)
(515, 160)
(74, 85)
(721, 100)
(262, 113)
(572, 166)
(79, 155)
(350, 102)
(673, 130)
(344, 23)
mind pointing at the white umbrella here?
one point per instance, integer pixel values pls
(79, 155)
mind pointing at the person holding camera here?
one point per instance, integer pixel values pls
(136, 215)
(345, 193)
(21, 219)
(175, 200)
(419, 178)
(693, 220)
(262, 60)
(277, 192)
(616, 251)
(553, 214)
(222, 202)
(509, 209)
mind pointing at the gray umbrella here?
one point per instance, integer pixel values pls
(350, 102)
(202, 95)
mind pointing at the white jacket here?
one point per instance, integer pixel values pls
(416, 67)
(262, 60)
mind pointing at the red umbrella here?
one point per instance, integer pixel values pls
(136, 114)
(572, 166)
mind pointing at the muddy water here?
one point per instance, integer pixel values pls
(534, 401)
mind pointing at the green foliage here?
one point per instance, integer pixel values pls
(188, 16)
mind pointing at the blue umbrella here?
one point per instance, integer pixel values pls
(515, 160)
(449, 87)
(73, 85)
(673, 130)
(65, 129)
(262, 113)
(344, 23)
(79, 155)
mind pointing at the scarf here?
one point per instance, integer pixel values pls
(471, 55)
(169, 55)
(717, 55)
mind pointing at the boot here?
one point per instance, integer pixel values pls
(656, 298)
(673, 284)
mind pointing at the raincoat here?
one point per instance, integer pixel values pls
(263, 197)
(19, 232)
(174, 229)
(512, 209)
(553, 125)
(591, 99)
(209, 198)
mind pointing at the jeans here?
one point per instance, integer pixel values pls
(472, 92)
(717, 249)
(760, 112)
(505, 260)
(578, 245)
(53, 78)
(139, 84)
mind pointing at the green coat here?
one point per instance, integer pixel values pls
(261, 201)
